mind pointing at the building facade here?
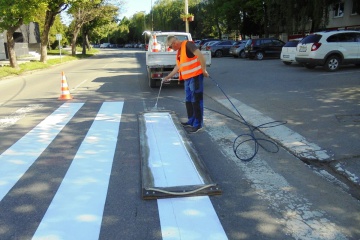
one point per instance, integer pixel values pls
(27, 38)
(344, 16)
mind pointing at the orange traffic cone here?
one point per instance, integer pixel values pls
(156, 47)
(65, 93)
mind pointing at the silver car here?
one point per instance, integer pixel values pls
(220, 49)
(203, 48)
(237, 50)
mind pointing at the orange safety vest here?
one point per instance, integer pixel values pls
(188, 67)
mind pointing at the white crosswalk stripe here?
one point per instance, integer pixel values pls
(189, 218)
(19, 157)
(77, 209)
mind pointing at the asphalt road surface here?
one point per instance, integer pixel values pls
(72, 169)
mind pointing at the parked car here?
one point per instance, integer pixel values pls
(329, 49)
(220, 48)
(105, 45)
(288, 51)
(263, 47)
(238, 49)
(203, 41)
(197, 43)
(203, 48)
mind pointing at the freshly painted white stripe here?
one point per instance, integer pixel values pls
(171, 165)
(77, 208)
(291, 140)
(16, 160)
(189, 218)
(17, 115)
(169, 161)
(299, 217)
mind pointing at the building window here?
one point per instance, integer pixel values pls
(339, 9)
(353, 9)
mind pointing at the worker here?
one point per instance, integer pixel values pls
(191, 66)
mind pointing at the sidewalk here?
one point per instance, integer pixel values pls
(33, 57)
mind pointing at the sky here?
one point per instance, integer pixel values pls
(129, 9)
(133, 6)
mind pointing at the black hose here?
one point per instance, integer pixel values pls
(250, 137)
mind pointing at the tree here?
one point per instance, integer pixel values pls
(107, 17)
(83, 12)
(53, 8)
(13, 15)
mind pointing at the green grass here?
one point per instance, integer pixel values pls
(6, 71)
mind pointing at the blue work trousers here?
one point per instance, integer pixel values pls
(194, 91)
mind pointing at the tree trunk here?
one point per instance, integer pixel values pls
(53, 10)
(49, 21)
(73, 40)
(83, 43)
(88, 46)
(10, 48)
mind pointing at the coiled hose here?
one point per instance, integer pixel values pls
(250, 137)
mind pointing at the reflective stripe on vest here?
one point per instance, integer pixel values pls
(188, 67)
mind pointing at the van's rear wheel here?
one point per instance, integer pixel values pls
(152, 82)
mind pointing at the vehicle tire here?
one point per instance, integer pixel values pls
(218, 53)
(287, 63)
(309, 66)
(152, 82)
(242, 54)
(332, 63)
(259, 55)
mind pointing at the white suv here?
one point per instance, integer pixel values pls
(329, 49)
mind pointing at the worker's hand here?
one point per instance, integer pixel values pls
(166, 79)
(206, 74)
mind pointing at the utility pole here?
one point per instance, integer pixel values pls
(152, 17)
(186, 13)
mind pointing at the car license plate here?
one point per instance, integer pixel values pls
(302, 49)
(286, 56)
